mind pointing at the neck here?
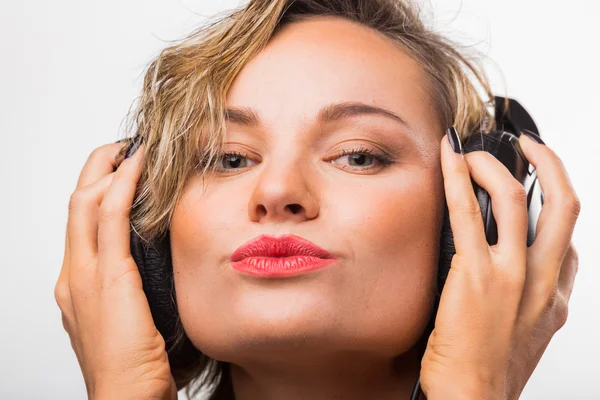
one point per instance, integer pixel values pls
(320, 377)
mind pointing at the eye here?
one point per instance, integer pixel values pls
(359, 159)
(364, 159)
(234, 159)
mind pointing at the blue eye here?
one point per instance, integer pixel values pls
(361, 156)
(235, 159)
(360, 159)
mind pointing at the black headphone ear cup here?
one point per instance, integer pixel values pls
(447, 251)
(447, 248)
(156, 269)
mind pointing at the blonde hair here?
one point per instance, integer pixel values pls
(180, 113)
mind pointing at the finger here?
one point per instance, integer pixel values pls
(509, 202)
(61, 289)
(101, 162)
(93, 170)
(83, 227)
(464, 212)
(568, 271)
(113, 224)
(65, 323)
(561, 205)
(64, 271)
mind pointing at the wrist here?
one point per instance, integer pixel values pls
(463, 390)
(149, 392)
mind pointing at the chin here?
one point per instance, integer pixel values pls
(293, 330)
(295, 318)
(263, 323)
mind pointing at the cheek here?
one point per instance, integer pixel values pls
(204, 231)
(388, 221)
(387, 237)
(394, 233)
(200, 239)
(204, 217)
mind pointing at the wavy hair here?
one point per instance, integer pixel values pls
(180, 113)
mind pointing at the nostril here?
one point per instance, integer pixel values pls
(294, 208)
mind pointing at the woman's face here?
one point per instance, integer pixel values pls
(381, 222)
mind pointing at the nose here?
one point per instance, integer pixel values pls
(283, 192)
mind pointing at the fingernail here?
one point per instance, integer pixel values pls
(533, 136)
(454, 140)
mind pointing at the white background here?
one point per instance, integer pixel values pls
(70, 69)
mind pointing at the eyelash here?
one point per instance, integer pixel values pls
(383, 159)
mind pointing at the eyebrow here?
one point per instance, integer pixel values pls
(330, 113)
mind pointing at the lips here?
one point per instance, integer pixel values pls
(279, 247)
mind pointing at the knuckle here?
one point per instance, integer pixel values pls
(574, 259)
(469, 208)
(561, 314)
(573, 204)
(65, 323)
(62, 295)
(109, 212)
(518, 194)
(574, 254)
(95, 152)
(99, 152)
(77, 199)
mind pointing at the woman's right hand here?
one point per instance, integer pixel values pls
(99, 291)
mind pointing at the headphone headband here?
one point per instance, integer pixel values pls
(514, 118)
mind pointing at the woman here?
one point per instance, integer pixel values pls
(320, 121)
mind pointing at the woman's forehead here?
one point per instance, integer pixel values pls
(310, 64)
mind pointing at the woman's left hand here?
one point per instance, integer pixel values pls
(501, 304)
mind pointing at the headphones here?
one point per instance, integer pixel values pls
(154, 259)
(503, 143)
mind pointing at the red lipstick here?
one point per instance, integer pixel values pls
(268, 256)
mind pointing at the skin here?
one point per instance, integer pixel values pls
(295, 338)
(348, 330)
